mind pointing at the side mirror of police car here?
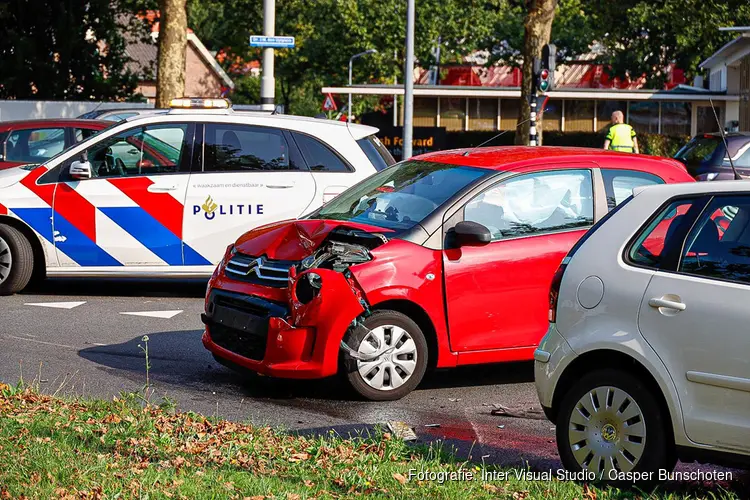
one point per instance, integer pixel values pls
(468, 233)
(81, 169)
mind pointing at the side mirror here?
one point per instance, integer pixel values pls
(472, 234)
(81, 169)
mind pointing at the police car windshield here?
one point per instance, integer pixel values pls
(402, 196)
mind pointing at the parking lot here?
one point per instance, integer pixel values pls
(82, 337)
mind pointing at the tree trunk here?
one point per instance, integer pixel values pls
(536, 33)
(170, 73)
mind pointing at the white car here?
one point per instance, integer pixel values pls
(647, 356)
(164, 194)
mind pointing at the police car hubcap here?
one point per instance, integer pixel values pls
(607, 431)
(6, 260)
(397, 359)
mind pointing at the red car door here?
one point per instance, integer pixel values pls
(497, 294)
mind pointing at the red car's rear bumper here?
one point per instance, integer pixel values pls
(301, 341)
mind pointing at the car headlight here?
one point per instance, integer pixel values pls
(711, 176)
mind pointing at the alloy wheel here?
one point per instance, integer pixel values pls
(396, 357)
(607, 431)
(6, 260)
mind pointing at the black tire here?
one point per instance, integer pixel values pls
(659, 449)
(354, 338)
(15, 275)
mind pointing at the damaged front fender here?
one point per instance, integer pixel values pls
(328, 302)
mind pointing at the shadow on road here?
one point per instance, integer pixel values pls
(179, 358)
(193, 288)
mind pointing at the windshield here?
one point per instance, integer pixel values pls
(401, 196)
(88, 140)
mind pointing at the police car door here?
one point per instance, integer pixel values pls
(250, 176)
(130, 212)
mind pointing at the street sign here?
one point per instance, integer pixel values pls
(329, 104)
(273, 42)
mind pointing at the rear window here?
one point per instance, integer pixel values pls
(378, 154)
(619, 184)
(699, 149)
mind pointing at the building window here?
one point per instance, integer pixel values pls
(452, 113)
(510, 109)
(604, 110)
(579, 116)
(425, 112)
(675, 118)
(552, 117)
(482, 114)
(706, 119)
(644, 116)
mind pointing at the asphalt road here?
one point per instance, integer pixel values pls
(82, 338)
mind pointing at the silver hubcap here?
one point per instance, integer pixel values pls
(607, 431)
(395, 361)
(6, 260)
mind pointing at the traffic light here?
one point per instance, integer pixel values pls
(544, 81)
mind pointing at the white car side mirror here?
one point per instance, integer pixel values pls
(80, 169)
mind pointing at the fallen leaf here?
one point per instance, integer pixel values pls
(400, 478)
(588, 492)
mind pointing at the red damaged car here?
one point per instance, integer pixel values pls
(439, 261)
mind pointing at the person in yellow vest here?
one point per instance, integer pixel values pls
(621, 136)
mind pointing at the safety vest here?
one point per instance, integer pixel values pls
(621, 137)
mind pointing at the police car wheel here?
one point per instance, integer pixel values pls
(16, 260)
(611, 426)
(402, 356)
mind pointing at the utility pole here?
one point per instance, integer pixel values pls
(409, 82)
(267, 81)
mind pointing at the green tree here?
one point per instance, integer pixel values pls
(642, 37)
(64, 50)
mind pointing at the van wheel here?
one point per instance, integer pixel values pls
(402, 361)
(610, 424)
(16, 260)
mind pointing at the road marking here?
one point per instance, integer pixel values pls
(155, 314)
(56, 305)
(40, 342)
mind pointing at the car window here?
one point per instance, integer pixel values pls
(699, 149)
(319, 157)
(149, 150)
(744, 160)
(34, 145)
(84, 133)
(718, 246)
(648, 248)
(401, 197)
(245, 148)
(378, 154)
(619, 184)
(535, 203)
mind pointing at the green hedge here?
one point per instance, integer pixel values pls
(651, 144)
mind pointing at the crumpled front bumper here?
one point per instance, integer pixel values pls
(294, 340)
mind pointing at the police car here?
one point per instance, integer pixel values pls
(161, 195)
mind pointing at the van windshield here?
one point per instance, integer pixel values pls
(402, 196)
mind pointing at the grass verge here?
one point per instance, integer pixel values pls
(91, 449)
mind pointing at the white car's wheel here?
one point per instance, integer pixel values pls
(16, 260)
(392, 354)
(609, 423)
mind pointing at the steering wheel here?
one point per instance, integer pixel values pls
(119, 167)
(113, 166)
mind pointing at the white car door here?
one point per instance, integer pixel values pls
(696, 320)
(130, 212)
(250, 176)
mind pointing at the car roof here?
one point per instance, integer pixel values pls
(688, 188)
(357, 130)
(504, 158)
(56, 122)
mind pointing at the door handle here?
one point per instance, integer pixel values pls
(155, 188)
(667, 303)
(279, 186)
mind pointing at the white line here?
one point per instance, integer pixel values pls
(56, 305)
(40, 342)
(155, 314)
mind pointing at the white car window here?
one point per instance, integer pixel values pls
(534, 203)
